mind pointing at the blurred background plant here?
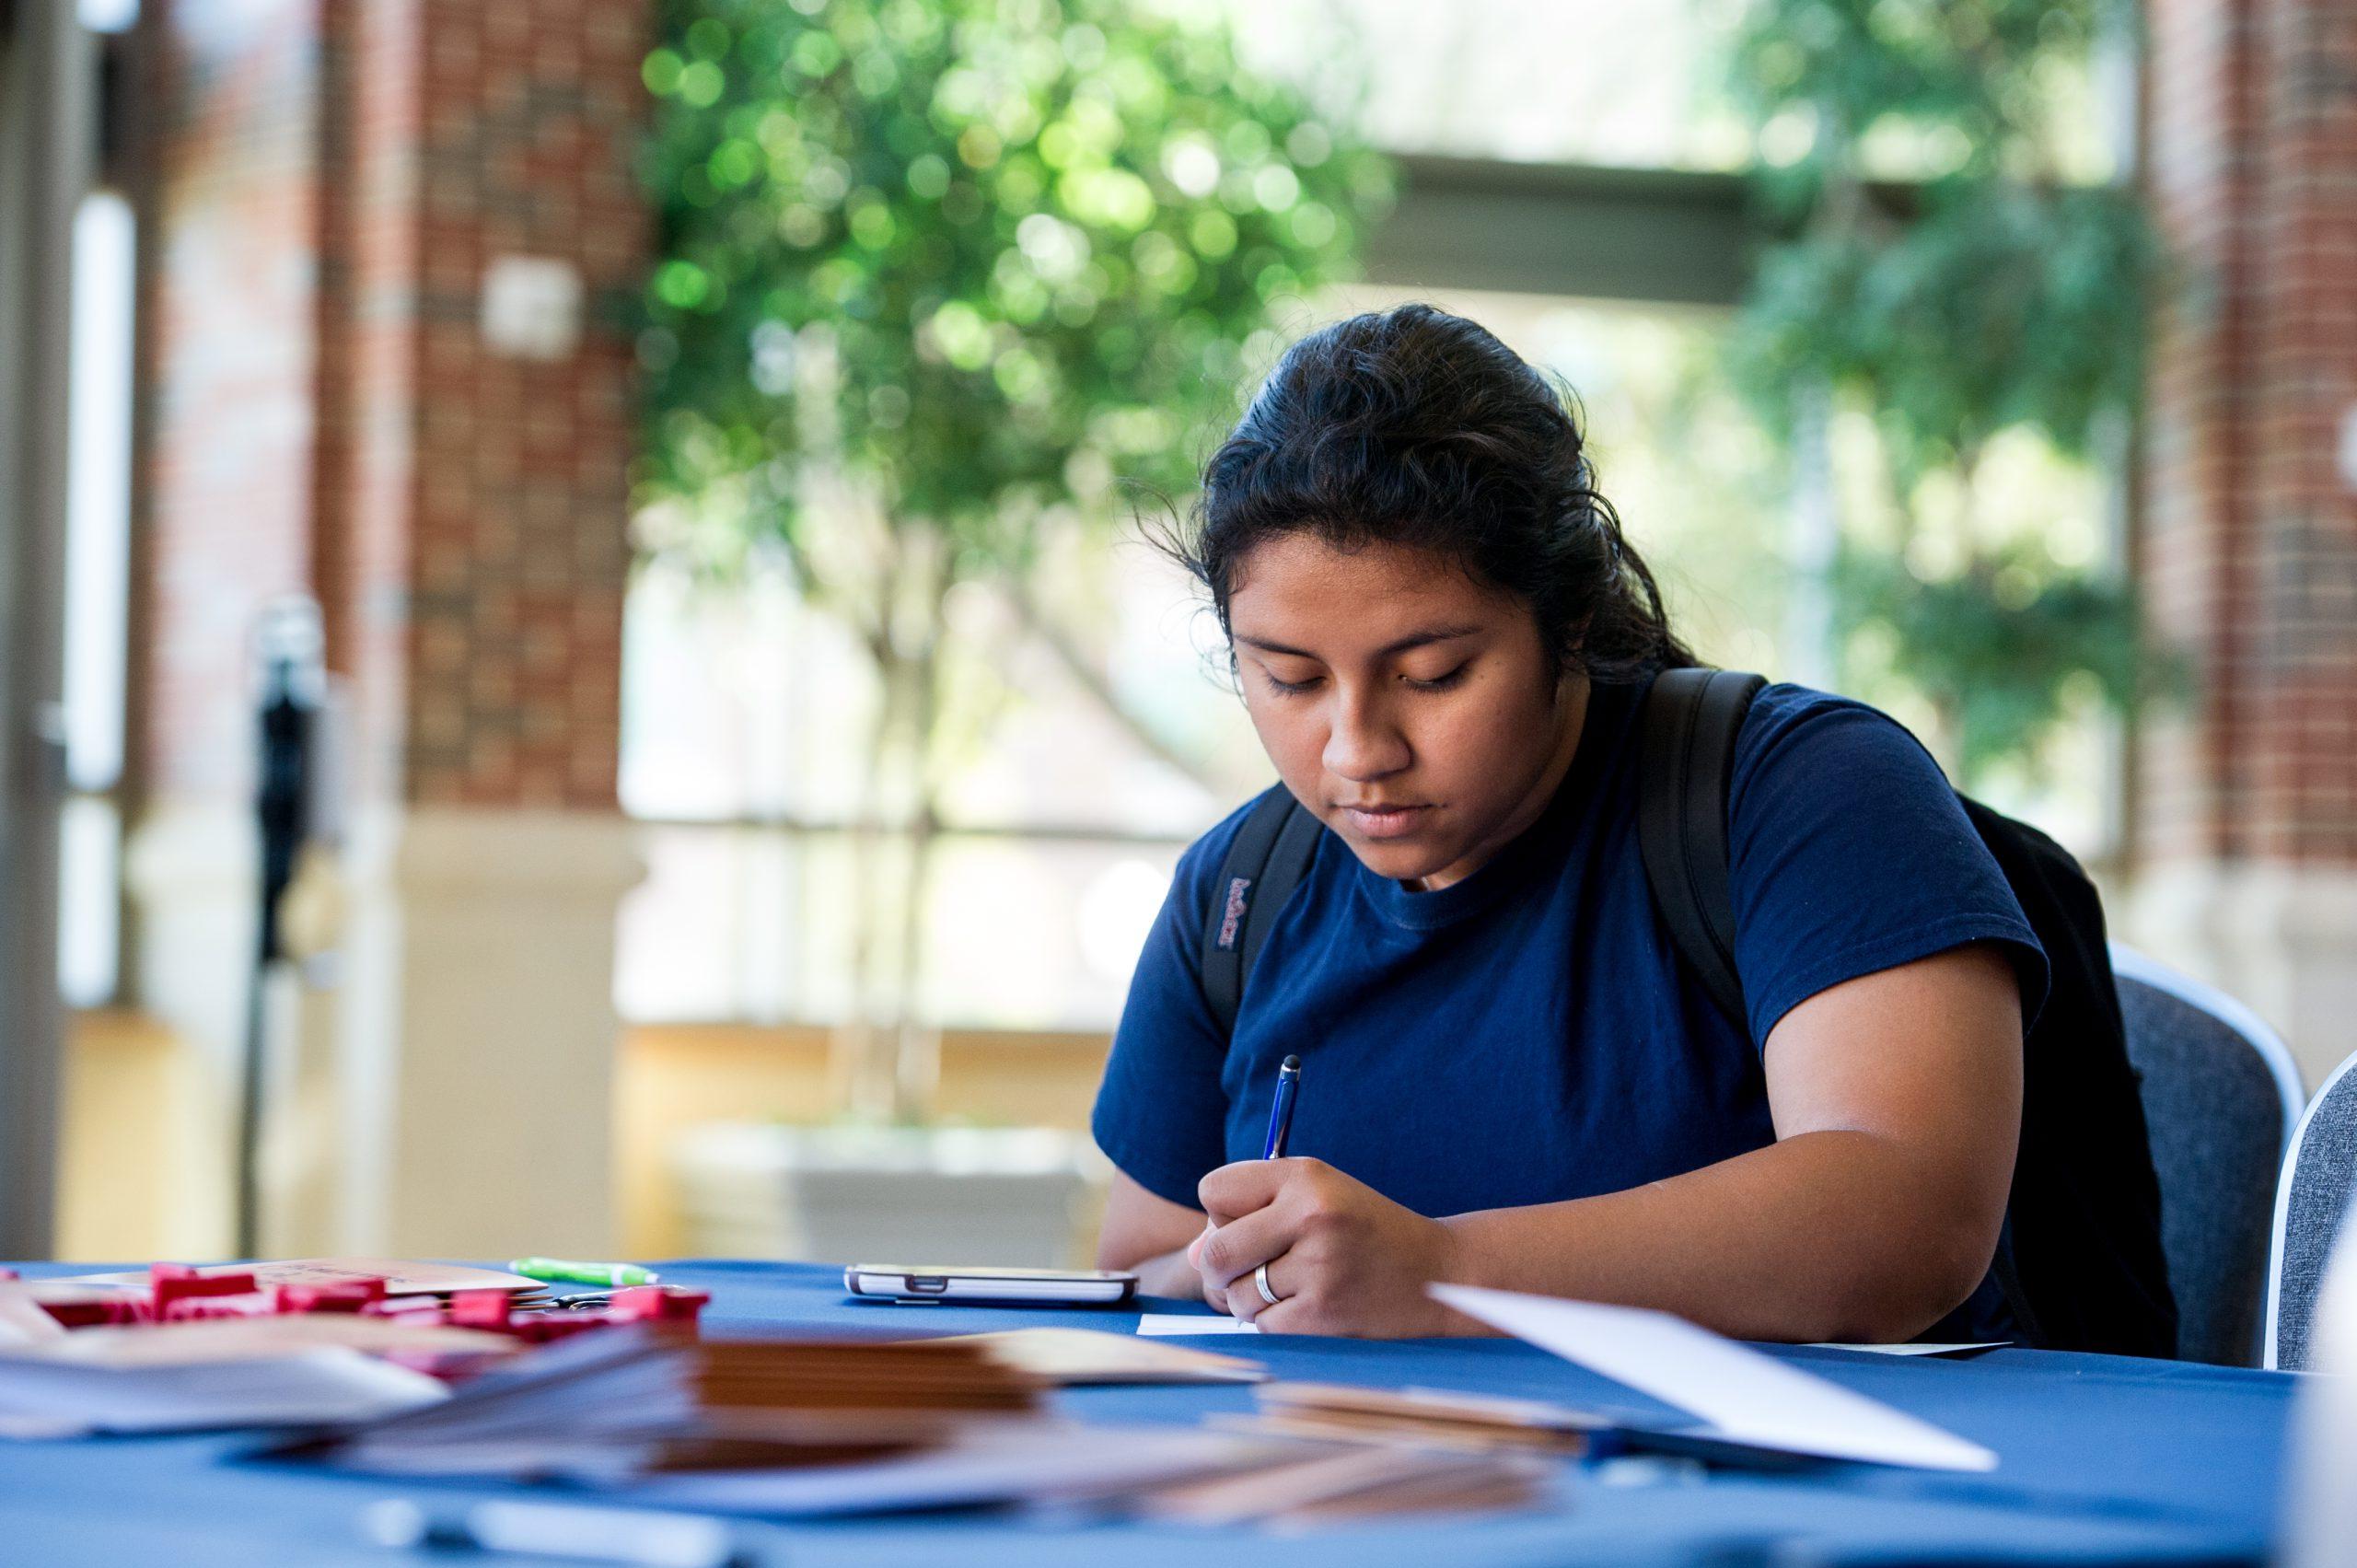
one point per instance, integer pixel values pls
(1959, 269)
(940, 289)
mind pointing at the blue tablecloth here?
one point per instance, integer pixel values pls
(2104, 1460)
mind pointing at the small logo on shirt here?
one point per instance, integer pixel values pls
(1231, 918)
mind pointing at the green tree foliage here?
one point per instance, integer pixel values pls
(1026, 231)
(2002, 649)
(939, 278)
(1944, 271)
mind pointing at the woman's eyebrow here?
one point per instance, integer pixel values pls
(1398, 646)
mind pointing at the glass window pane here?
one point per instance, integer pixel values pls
(1039, 933)
(1607, 82)
(713, 931)
(109, 16)
(89, 866)
(1562, 81)
(757, 924)
(741, 702)
(98, 501)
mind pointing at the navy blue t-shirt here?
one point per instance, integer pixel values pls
(1528, 1034)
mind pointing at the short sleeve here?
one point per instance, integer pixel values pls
(1849, 853)
(1161, 1113)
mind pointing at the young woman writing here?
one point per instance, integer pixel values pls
(1508, 1078)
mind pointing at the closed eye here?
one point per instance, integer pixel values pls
(1290, 688)
(1440, 682)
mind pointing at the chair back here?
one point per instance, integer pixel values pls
(2320, 1506)
(2319, 1183)
(2221, 1097)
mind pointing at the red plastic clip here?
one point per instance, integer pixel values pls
(479, 1309)
(110, 1313)
(344, 1295)
(172, 1284)
(659, 1304)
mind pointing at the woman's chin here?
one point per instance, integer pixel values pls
(1408, 863)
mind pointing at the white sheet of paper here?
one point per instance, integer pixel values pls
(1191, 1323)
(1911, 1349)
(330, 1383)
(1746, 1397)
(23, 1320)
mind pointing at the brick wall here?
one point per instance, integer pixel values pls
(332, 180)
(226, 357)
(2249, 557)
(529, 116)
(363, 476)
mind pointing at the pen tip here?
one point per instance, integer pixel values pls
(1293, 1063)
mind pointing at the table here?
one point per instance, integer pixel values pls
(2104, 1460)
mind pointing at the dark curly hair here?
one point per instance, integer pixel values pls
(1414, 428)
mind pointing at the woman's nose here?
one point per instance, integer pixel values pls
(1362, 742)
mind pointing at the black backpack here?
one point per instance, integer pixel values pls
(2081, 1261)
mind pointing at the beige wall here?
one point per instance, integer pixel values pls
(135, 1171)
(128, 1150)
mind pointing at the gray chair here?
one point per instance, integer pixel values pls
(2319, 1181)
(2221, 1097)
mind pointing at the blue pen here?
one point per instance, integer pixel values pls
(1281, 1113)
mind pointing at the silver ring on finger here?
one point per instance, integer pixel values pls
(1260, 1278)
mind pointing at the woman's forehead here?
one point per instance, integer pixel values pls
(1299, 582)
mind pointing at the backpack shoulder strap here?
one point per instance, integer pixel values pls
(1686, 760)
(1265, 862)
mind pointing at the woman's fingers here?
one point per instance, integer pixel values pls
(1258, 1208)
(1236, 1249)
(1244, 1299)
(1248, 1185)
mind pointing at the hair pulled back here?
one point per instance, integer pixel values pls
(1413, 427)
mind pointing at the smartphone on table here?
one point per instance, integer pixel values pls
(1003, 1287)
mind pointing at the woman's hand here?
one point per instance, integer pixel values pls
(1342, 1258)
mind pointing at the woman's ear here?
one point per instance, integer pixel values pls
(1567, 676)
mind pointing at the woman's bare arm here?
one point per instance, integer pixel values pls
(1150, 1233)
(1896, 1100)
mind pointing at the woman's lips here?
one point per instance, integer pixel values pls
(1385, 823)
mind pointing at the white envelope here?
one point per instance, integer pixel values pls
(1177, 1323)
(1747, 1398)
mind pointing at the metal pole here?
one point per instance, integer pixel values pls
(289, 647)
(47, 90)
(279, 811)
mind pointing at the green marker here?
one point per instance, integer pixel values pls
(553, 1269)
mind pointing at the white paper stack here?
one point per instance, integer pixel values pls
(245, 1371)
(594, 1405)
(818, 1428)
